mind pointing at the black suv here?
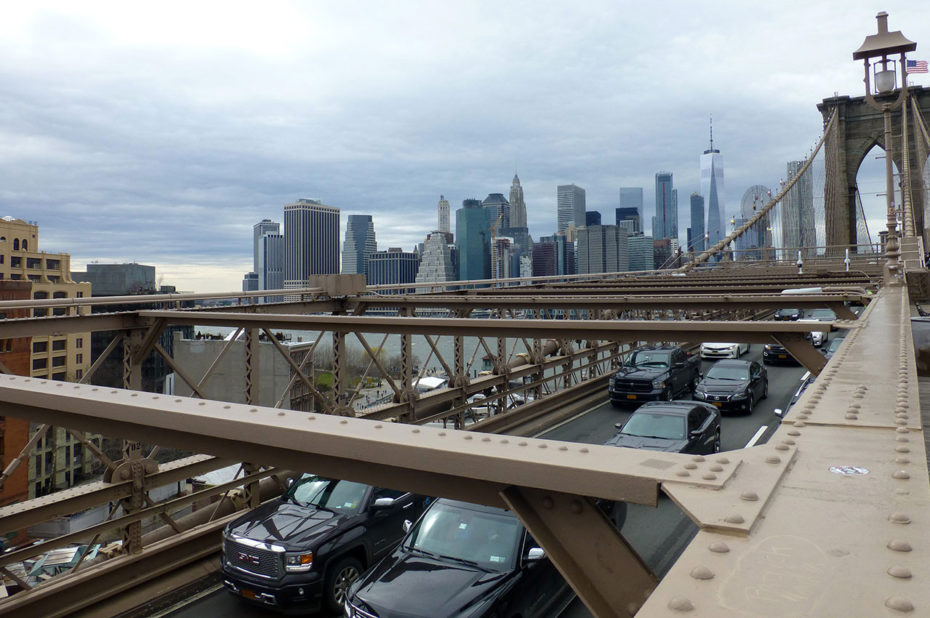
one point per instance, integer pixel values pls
(304, 549)
(462, 560)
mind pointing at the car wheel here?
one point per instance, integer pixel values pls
(751, 404)
(765, 390)
(338, 581)
(738, 352)
(669, 395)
(717, 442)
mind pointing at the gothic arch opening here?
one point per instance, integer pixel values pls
(871, 211)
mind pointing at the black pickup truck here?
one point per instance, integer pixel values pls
(302, 551)
(654, 373)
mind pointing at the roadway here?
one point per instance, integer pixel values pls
(659, 535)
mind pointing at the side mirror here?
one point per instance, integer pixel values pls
(407, 525)
(382, 503)
(290, 482)
(535, 553)
(779, 412)
(618, 426)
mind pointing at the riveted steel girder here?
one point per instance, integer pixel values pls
(609, 577)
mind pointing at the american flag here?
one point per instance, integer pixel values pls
(916, 66)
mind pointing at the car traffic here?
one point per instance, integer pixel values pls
(301, 551)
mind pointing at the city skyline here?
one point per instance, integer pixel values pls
(171, 137)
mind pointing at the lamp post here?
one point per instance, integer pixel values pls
(880, 46)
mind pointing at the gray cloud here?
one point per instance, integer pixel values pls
(162, 135)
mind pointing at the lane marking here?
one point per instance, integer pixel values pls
(755, 438)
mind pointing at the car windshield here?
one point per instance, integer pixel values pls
(649, 425)
(649, 358)
(824, 315)
(722, 372)
(488, 541)
(788, 312)
(331, 494)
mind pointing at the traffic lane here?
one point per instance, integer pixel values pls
(659, 535)
(597, 425)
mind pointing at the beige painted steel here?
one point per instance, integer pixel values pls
(609, 576)
(76, 499)
(417, 455)
(847, 529)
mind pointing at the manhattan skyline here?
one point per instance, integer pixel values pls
(163, 140)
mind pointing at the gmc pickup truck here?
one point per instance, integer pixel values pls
(654, 373)
(302, 551)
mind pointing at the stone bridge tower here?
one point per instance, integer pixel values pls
(859, 127)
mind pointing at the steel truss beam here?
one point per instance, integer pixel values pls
(494, 470)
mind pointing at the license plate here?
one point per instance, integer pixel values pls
(782, 356)
(249, 594)
(718, 404)
(631, 396)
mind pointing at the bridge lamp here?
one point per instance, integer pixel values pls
(879, 47)
(884, 71)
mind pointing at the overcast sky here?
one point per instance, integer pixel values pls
(161, 134)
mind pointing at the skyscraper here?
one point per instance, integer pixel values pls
(666, 220)
(444, 214)
(592, 217)
(498, 209)
(360, 241)
(602, 249)
(696, 240)
(517, 205)
(564, 252)
(391, 267)
(631, 207)
(571, 206)
(473, 241)
(436, 261)
(271, 263)
(641, 252)
(265, 226)
(311, 241)
(268, 257)
(712, 190)
(797, 218)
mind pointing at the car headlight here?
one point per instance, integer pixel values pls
(700, 394)
(738, 396)
(298, 562)
(656, 384)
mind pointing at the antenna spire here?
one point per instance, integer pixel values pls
(712, 132)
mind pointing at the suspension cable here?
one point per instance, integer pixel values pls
(765, 209)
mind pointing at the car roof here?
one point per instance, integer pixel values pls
(679, 408)
(656, 347)
(732, 363)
